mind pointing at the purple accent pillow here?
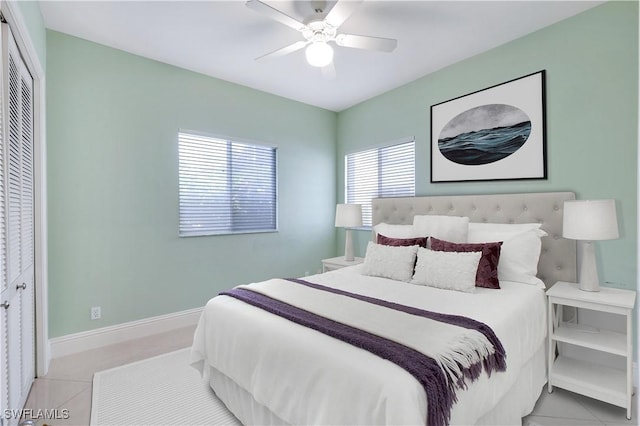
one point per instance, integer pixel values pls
(388, 241)
(487, 275)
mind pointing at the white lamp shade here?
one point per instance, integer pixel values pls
(319, 54)
(348, 215)
(590, 220)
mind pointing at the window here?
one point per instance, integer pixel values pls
(225, 186)
(380, 172)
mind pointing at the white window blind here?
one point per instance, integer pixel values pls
(226, 186)
(380, 172)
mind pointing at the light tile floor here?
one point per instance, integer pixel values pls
(564, 408)
(69, 381)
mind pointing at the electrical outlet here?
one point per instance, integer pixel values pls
(95, 313)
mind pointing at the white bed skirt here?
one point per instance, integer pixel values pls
(520, 400)
(517, 402)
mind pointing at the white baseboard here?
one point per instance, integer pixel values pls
(92, 339)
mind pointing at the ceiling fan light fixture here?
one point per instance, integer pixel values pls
(319, 54)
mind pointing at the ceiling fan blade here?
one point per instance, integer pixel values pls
(367, 42)
(284, 50)
(274, 14)
(341, 12)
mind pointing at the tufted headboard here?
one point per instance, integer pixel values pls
(558, 256)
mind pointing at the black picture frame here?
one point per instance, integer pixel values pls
(496, 133)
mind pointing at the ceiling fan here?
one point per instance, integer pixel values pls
(318, 33)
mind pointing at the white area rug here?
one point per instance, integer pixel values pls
(163, 390)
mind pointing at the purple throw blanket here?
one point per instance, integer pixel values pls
(496, 361)
(440, 391)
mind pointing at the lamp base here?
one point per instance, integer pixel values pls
(588, 269)
(348, 246)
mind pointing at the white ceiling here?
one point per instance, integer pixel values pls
(223, 38)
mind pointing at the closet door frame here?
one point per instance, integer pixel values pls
(13, 15)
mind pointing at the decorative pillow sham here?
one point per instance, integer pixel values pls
(447, 270)
(388, 241)
(391, 262)
(450, 228)
(487, 274)
(520, 249)
(483, 232)
(394, 231)
(519, 257)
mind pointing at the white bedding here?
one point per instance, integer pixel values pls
(305, 377)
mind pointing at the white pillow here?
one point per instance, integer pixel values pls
(448, 228)
(519, 257)
(447, 270)
(390, 261)
(490, 232)
(394, 231)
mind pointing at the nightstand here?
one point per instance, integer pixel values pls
(587, 378)
(338, 263)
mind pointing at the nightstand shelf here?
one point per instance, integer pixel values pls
(338, 263)
(600, 340)
(587, 378)
(590, 379)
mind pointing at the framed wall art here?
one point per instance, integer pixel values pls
(495, 133)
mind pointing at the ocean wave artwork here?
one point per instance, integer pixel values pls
(484, 134)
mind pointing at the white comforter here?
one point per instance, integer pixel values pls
(305, 377)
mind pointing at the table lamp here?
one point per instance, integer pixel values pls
(588, 221)
(348, 216)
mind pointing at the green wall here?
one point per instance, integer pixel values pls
(113, 120)
(112, 130)
(591, 63)
(30, 11)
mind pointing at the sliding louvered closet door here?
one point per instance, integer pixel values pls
(17, 316)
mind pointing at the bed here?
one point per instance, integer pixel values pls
(270, 369)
